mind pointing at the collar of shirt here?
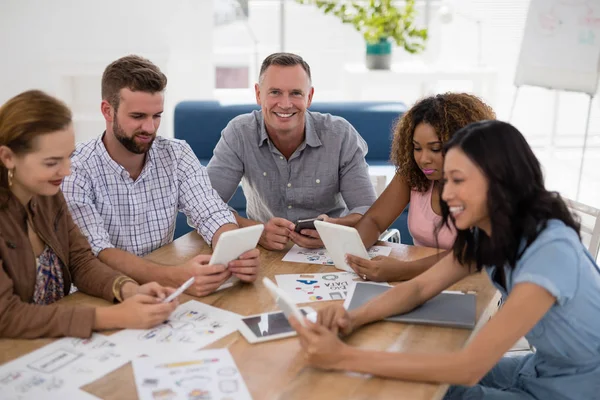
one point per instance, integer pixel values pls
(311, 139)
(117, 168)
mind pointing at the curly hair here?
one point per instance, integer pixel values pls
(446, 113)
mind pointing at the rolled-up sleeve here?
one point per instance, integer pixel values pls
(79, 194)
(198, 200)
(554, 265)
(355, 184)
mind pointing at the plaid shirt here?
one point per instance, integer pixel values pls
(113, 210)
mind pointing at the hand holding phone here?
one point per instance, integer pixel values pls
(179, 291)
(308, 223)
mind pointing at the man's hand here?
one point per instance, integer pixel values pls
(307, 238)
(276, 234)
(246, 266)
(208, 277)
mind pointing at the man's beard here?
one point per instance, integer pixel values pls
(129, 142)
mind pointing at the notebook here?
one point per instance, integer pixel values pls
(450, 309)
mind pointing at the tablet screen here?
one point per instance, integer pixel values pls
(269, 324)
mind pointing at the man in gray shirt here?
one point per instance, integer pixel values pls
(293, 163)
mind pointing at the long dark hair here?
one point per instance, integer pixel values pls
(519, 206)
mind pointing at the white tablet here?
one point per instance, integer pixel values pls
(340, 240)
(268, 326)
(233, 244)
(285, 302)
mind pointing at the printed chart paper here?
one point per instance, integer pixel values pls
(205, 374)
(320, 256)
(306, 288)
(58, 369)
(191, 326)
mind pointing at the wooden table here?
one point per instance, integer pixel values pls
(276, 370)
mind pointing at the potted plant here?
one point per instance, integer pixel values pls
(380, 23)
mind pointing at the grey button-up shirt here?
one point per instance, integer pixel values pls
(327, 174)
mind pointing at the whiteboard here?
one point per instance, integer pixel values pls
(561, 46)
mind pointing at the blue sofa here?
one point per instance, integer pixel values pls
(200, 123)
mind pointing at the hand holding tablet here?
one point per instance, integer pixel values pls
(233, 244)
(286, 304)
(340, 240)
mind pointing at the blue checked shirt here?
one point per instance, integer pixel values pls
(113, 210)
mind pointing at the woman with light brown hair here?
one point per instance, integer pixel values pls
(42, 251)
(417, 154)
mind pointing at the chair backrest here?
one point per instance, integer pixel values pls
(379, 183)
(590, 225)
(200, 123)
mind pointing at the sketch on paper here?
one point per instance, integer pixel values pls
(306, 288)
(60, 367)
(320, 256)
(192, 325)
(205, 374)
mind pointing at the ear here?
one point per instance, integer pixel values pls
(311, 92)
(257, 93)
(107, 111)
(7, 157)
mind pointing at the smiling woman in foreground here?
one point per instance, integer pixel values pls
(527, 241)
(42, 251)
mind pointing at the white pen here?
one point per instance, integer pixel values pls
(458, 292)
(181, 289)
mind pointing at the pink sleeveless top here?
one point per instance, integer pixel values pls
(422, 222)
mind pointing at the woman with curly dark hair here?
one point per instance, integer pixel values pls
(417, 153)
(526, 240)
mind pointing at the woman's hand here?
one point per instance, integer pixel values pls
(141, 311)
(321, 347)
(144, 311)
(156, 290)
(380, 268)
(336, 319)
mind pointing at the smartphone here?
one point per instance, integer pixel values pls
(306, 224)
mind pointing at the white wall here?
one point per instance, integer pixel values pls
(324, 42)
(62, 47)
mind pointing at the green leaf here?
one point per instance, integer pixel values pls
(377, 19)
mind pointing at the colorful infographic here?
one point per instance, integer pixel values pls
(307, 288)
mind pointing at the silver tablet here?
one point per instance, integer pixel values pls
(268, 326)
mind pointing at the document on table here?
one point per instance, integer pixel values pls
(320, 256)
(55, 371)
(191, 326)
(205, 374)
(307, 288)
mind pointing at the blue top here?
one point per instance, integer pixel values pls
(567, 338)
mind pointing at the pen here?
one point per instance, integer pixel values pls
(187, 363)
(181, 289)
